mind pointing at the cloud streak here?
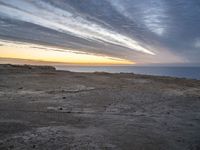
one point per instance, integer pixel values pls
(64, 21)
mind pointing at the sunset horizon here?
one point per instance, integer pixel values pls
(100, 74)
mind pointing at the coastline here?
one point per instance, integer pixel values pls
(167, 71)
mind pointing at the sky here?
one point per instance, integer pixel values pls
(101, 31)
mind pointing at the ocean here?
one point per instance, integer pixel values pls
(181, 72)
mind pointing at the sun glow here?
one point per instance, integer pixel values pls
(45, 53)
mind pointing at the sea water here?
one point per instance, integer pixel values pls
(181, 72)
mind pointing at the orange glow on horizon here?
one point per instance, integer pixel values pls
(47, 54)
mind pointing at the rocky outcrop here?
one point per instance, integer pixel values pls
(8, 68)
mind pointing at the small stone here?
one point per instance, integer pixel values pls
(20, 88)
(34, 146)
(11, 146)
(60, 108)
(64, 97)
(191, 125)
(178, 140)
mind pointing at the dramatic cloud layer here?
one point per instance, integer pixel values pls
(150, 31)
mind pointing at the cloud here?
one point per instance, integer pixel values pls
(197, 43)
(145, 32)
(151, 14)
(64, 21)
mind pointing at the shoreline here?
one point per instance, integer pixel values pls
(176, 72)
(42, 68)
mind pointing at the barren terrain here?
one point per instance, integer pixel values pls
(44, 109)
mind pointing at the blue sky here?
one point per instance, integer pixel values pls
(148, 31)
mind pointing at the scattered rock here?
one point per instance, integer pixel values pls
(141, 116)
(191, 125)
(11, 146)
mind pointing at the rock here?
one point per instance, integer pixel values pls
(11, 146)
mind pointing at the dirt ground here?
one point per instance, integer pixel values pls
(44, 109)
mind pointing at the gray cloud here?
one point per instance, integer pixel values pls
(154, 31)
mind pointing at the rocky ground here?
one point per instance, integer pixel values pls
(44, 109)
